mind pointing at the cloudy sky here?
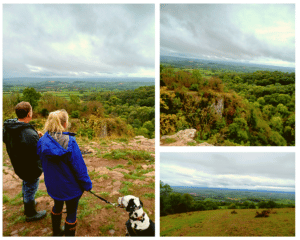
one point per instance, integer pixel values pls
(255, 33)
(78, 40)
(248, 170)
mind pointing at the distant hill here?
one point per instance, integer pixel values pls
(71, 80)
(191, 62)
(229, 189)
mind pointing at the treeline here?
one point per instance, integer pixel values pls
(121, 113)
(252, 109)
(172, 202)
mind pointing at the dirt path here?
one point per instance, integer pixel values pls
(115, 168)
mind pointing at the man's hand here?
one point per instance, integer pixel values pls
(40, 134)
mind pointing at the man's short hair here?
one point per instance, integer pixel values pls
(22, 109)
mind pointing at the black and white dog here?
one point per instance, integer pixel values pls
(139, 224)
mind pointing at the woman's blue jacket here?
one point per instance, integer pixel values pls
(65, 172)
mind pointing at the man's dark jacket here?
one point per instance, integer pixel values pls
(21, 142)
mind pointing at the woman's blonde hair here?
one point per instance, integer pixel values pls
(56, 120)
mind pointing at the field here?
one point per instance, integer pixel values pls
(63, 94)
(281, 222)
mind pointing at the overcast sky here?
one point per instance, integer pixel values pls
(85, 40)
(253, 171)
(256, 33)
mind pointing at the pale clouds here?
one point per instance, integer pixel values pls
(83, 40)
(255, 171)
(256, 33)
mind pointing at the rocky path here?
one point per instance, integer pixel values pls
(116, 169)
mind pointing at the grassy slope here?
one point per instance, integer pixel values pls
(223, 223)
(94, 216)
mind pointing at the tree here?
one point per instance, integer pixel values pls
(165, 189)
(32, 96)
(238, 130)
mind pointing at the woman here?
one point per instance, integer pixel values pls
(65, 172)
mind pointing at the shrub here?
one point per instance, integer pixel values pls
(75, 114)
(264, 213)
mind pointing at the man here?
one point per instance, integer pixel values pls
(21, 140)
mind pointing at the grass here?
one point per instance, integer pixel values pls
(169, 140)
(104, 194)
(24, 232)
(40, 193)
(149, 195)
(118, 166)
(133, 176)
(5, 198)
(16, 218)
(84, 208)
(223, 223)
(17, 200)
(125, 190)
(84, 212)
(128, 155)
(95, 175)
(123, 140)
(105, 228)
(151, 185)
(191, 144)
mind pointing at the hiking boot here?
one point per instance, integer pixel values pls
(31, 213)
(56, 220)
(70, 229)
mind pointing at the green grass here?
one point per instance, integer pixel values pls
(169, 140)
(118, 166)
(128, 155)
(191, 144)
(5, 198)
(84, 208)
(95, 175)
(149, 195)
(108, 206)
(16, 218)
(125, 190)
(123, 140)
(24, 232)
(133, 176)
(40, 193)
(104, 194)
(127, 183)
(150, 185)
(105, 228)
(98, 207)
(17, 200)
(84, 212)
(223, 223)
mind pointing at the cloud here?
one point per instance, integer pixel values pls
(230, 170)
(230, 31)
(82, 39)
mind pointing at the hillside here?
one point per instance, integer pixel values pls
(116, 166)
(228, 109)
(281, 222)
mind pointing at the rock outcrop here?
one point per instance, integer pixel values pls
(182, 138)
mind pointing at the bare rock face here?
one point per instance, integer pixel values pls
(219, 107)
(182, 138)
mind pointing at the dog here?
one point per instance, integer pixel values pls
(139, 224)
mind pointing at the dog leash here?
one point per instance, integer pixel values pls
(114, 204)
